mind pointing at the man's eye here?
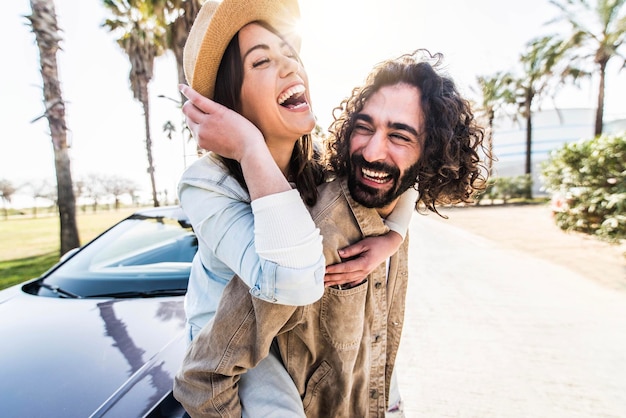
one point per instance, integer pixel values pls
(362, 129)
(260, 62)
(400, 138)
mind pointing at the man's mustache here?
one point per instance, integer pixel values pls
(357, 160)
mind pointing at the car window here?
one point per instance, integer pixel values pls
(149, 241)
(140, 254)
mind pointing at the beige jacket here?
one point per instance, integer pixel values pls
(340, 351)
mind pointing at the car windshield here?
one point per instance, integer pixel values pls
(140, 256)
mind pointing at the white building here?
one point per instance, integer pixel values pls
(551, 129)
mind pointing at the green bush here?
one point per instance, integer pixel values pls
(507, 188)
(587, 180)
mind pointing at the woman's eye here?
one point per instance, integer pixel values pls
(260, 62)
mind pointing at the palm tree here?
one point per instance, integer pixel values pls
(496, 93)
(180, 15)
(598, 33)
(44, 24)
(540, 77)
(142, 36)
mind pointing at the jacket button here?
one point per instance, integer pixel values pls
(377, 338)
(374, 394)
(378, 285)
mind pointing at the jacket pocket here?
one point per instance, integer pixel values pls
(342, 316)
(316, 387)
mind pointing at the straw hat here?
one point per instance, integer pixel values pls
(216, 24)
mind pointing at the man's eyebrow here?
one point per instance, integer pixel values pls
(393, 125)
(364, 117)
(403, 127)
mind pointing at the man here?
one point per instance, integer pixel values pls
(406, 127)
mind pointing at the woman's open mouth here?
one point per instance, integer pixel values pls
(293, 97)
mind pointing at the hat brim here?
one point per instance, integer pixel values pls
(217, 23)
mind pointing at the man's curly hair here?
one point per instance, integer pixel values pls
(450, 168)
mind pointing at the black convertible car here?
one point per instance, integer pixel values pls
(101, 334)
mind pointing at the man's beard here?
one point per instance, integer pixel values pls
(371, 197)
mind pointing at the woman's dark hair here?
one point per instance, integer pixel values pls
(450, 170)
(304, 167)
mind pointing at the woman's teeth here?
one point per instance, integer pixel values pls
(291, 92)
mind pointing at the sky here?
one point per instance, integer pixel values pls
(342, 40)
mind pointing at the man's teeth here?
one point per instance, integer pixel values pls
(377, 176)
(299, 89)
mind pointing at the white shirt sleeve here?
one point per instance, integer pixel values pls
(400, 218)
(284, 231)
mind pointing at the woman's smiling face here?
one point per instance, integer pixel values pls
(274, 94)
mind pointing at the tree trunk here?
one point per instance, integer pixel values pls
(490, 144)
(180, 30)
(529, 141)
(146, 114)
(600, 108)
(44, 24)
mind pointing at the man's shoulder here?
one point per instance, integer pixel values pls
(330, 194)
(336, 205)
(330, 188)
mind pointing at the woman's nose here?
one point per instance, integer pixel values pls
(289, 65)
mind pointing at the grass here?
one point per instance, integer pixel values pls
(30, 246)
(18, 270)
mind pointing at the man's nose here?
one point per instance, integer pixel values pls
(376, 148)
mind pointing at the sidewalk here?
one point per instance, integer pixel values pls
(511, 326)
(531, 229)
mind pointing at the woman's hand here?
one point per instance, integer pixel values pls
(218, 128)
(362, 258)
(227, 133)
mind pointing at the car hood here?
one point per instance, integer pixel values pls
(87, 357)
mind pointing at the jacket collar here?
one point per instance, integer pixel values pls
(368, 219)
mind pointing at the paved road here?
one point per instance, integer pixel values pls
(532, 229)
(494, 332)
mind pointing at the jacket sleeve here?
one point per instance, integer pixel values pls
(272, 244)
(207, 383)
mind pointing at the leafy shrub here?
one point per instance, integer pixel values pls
(506, 188)
(588, 182)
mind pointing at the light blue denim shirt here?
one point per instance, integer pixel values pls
(224, 221)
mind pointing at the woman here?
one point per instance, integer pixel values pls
(249, 219)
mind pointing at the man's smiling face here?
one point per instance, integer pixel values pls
(385, 147)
